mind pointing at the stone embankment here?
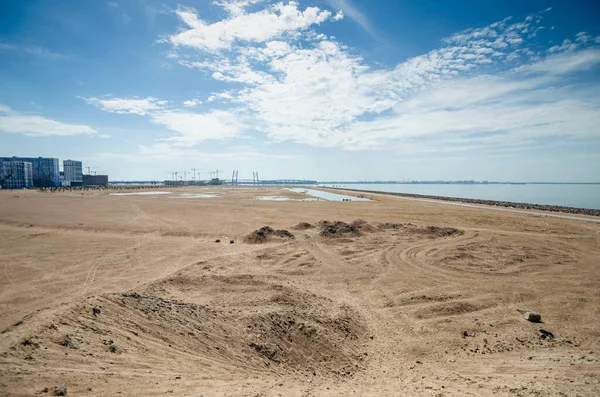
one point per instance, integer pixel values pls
(507, 204)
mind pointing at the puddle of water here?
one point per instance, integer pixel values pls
(282, 198)
(196, 195)
(328, 196)
(273, 198)
(138, 193)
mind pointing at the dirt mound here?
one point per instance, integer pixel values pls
(442, 231)
(285, 331)
(303, 226)
(308, 341)
(265, 234)
(434, 231)
(362, 225)
(388, 225)
(338, 229)
(283, 234)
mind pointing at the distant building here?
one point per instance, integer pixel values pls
(45, 170)
(95, 180)
(16, 174)
(73, 173)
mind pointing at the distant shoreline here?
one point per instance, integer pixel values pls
(455, 183)
(496, 203)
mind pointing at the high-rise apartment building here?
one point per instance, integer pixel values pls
(16, 174)
(45, 170)
(73, 173)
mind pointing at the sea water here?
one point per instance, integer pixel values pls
(569, 195)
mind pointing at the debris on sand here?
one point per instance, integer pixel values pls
(111, 347)
(533, 317)
(303, 226)
(71, 341)
(266, 233)
(547, 335)
(60, 390)
(443, 231)
(434, 231)
(338, 228)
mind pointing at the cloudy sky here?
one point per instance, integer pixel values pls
(320, 89)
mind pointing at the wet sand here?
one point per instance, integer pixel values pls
(131, 295)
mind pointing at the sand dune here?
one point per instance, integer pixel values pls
(130, 295)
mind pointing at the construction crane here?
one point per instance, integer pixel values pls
(196, 169)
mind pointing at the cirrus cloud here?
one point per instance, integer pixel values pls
(15, 122)
(139, 106)
(482, 88)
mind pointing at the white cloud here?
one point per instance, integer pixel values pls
(104, 136)
(236, 7)
(140, 106)
(192, 103)
(338, 16)
(347, 8)
(221, 96)
(566, 62)
(317, 92)
(118, 11)
(33, 125)
(257, 27)
(44, 53)
(7, 47)
(192, 128)
(149, 153)
(484, 88)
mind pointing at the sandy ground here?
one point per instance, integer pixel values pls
(130, 295)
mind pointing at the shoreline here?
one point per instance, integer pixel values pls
(494, 203)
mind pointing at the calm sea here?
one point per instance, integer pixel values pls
(581, 196)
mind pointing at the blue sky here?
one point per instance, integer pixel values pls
(324, 89)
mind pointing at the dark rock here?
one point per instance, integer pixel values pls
(231, 241)
(217, 241)
(532, 316)
(71, 341)
(60, 390)
(547, 335)
(96, 311)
